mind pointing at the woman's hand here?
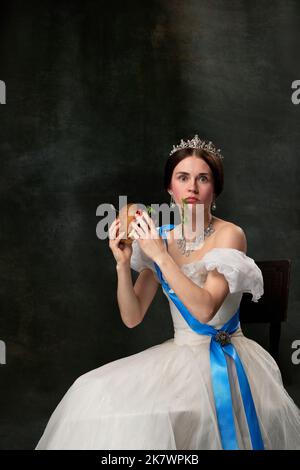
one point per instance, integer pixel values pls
(121, 251)
(144, 231)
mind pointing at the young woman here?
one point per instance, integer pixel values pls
(209, 387)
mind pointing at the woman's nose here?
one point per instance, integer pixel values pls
(194, 187)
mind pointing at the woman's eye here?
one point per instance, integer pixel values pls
(184, 177)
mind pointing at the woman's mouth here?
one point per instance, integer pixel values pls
(191, 200)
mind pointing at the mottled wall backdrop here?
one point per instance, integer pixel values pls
(96, 95)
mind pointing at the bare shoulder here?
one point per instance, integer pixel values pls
(230, 235)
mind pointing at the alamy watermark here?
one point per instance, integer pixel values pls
(192, 215)
(296, 354)
(296, 94)
(2, 92)
(2, 352)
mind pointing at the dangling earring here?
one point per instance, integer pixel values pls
(213, 207)
(172, 202)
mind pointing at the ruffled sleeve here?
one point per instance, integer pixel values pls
(240, 271)
(139, 260)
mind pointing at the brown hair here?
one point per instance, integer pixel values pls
(213, 161)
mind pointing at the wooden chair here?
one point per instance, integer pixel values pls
(272, 306)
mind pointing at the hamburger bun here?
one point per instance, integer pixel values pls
(126, 216)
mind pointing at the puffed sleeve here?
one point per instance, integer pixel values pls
(139, 260)
(240, 271)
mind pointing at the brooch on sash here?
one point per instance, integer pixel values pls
(223, 337)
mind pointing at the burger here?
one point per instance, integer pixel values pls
(126, 215)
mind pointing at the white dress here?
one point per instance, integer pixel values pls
(162, 397)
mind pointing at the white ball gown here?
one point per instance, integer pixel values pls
(162, 398)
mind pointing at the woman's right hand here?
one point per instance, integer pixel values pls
(122, 252)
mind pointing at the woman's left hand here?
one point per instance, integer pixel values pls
(147, 236)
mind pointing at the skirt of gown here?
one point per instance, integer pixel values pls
(162, 398)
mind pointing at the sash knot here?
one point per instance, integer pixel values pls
(223, 338)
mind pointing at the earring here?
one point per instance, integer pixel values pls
(172, 202)
(213, 207)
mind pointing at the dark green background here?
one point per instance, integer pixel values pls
(97, 94)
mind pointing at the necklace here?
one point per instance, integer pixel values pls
(188, 247)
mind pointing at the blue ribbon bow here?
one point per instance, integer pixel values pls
(220, 345)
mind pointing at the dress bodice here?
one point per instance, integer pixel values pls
(240, 271)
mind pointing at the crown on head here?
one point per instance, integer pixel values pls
(197, 143)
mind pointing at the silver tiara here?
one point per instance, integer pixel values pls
(197, 143)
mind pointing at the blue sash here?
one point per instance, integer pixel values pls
(220, 345)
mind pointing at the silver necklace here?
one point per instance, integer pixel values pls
(188, 247)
